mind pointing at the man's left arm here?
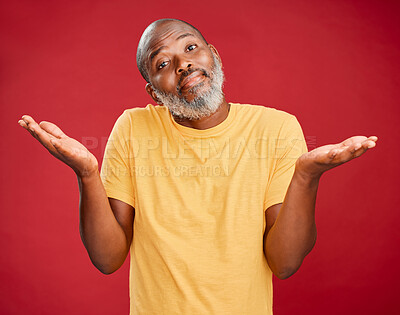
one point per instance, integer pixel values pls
(291, 232)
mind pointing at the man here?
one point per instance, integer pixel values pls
(219, 196)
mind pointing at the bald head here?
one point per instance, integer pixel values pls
(151, 34)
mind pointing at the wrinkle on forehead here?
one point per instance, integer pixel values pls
(161, 33)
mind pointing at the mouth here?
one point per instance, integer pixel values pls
(191, 80)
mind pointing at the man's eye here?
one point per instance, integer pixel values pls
(162, 65)
(191, 47)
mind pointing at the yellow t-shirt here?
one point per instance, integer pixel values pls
(200, 198)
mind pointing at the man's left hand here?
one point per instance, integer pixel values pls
(314, 163)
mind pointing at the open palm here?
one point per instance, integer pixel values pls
(326, 157)
(64, 148)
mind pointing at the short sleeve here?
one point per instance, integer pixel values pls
(290, 145)
(116, 170)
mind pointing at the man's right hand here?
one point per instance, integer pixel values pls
(64, 148)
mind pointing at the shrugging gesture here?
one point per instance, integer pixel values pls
(105, 224)
(321, 159)
(64, 148)
(292, 234)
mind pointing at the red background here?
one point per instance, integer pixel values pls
(334, 64)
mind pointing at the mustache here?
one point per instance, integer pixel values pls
(188, 72)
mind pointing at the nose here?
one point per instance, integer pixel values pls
(183, 65)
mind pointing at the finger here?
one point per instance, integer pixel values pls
(356, 146)
(346, 153)
(52, 129)
(56, 143)
(359, 152)
(22, 123)
(28, 119)
(364, 146)
(356, 139)
(60, 148)
(358, 142)
(26, 126)
(29, 123)
(353, 140)
(369, 144)
(341, 154)
(42, 136)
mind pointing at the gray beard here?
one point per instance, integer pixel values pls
(204, 104)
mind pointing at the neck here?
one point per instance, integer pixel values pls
(206, 122)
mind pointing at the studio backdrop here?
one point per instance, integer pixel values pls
(333, 64)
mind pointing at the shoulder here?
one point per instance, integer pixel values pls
(265, 111)
(144, 112)
(264, 115)
(143, 121)
(142, 115)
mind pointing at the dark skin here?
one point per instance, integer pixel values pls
(174, 48)
(106, 224)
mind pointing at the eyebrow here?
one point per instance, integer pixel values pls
(184, 35)
(157, 51)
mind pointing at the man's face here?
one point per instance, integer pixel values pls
(184, 72)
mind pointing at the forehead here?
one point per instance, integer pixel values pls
(168, 31)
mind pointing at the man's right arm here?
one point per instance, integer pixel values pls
(106, 225)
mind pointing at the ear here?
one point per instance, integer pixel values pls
(150, 90)
(215, 52)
